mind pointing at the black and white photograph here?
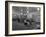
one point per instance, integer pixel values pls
(24, 18)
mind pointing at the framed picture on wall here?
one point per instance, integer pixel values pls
(24, 18)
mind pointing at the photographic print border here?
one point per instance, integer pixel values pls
(6, 18)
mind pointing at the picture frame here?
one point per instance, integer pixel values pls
(19, 8)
